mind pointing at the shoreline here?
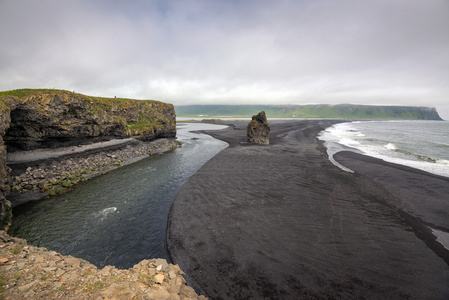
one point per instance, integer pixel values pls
(283, 221)
(428, 205)
(365, 137)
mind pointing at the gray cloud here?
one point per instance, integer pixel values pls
(271, 52)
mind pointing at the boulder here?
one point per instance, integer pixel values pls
(258, 129)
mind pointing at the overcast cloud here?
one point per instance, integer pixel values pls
(390, 52)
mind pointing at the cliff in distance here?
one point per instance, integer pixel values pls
(326, 111)
(38, 118)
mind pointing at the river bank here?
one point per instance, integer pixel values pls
(37, 174)
(282, 222)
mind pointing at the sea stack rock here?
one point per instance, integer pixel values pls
(258, 129)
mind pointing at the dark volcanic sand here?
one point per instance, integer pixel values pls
(282, 222)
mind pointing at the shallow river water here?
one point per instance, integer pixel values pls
(119, 218)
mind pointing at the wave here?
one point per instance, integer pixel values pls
(391, 146)
(345, 136)
(102, 214)
(410, 155)
(418, 157)
(349, 142)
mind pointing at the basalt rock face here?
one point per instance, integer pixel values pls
(5, 205)
(258, 129)
(31, 119)
(60, 118)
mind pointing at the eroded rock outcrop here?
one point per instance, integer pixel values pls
(30, 272)
(5, 205)
(52, 118)
(258, 129)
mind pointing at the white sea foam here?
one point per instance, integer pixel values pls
(108, 210)
(103, 214)
(390, 146)
(400, 142)
(331, 142)
(349, 142)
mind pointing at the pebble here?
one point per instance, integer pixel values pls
(159, 278)
(171, 274)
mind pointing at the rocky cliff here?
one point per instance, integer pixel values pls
(51, 118)
(31, 119)
(5, 205)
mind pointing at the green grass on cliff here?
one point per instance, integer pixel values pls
(115, 102)
(146, 123)
(138, 116)
(107, 102)
(96, 104)
(22, 93)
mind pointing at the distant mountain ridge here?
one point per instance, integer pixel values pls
(340, 111)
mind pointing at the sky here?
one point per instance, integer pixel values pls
(376, 52)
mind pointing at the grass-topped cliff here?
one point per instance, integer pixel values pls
(47, 118)
(342, 111)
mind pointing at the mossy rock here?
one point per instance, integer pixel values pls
(5, 221)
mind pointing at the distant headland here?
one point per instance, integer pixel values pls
(324, 111)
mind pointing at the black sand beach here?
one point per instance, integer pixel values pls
(282, 222)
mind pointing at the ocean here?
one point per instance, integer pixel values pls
(418, 144)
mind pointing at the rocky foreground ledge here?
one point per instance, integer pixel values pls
(28, 272)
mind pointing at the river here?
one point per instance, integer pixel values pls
(119, 218)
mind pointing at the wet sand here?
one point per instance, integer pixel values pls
(282, 222)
